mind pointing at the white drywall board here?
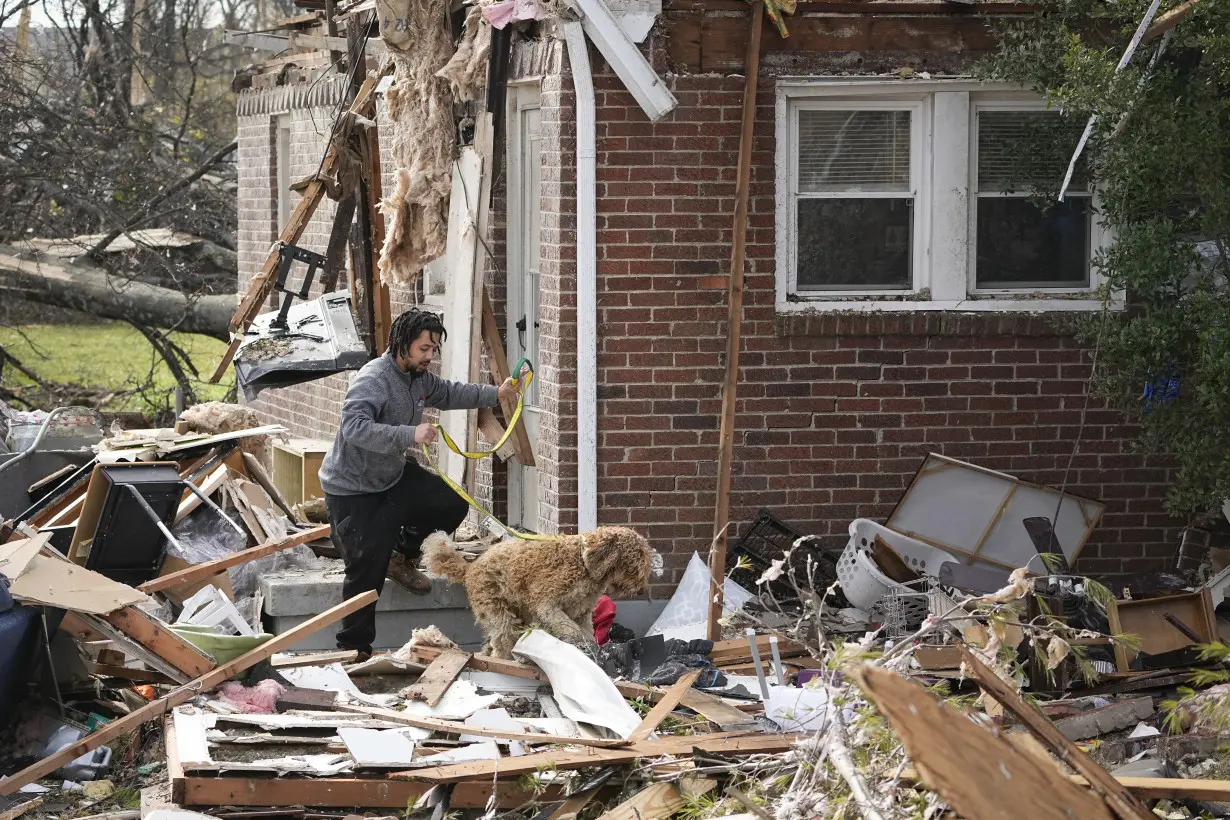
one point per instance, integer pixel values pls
(977, 513)
(378, 748)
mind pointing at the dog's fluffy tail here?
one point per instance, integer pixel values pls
(442, 559)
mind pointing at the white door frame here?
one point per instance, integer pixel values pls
(522, 98)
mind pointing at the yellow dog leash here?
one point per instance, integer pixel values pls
(477, 454)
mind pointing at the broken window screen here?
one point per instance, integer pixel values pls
(855, 200)
(1024, 238)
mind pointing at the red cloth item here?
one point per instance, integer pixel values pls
(604, 617)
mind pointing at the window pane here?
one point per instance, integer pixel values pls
(1020, 151)
(855, 244)
(854, 151)
(1022, 246)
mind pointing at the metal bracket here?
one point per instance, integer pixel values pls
(287, 255)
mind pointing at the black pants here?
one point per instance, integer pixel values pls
(369, 527)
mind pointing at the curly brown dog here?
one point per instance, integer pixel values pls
(554, 583)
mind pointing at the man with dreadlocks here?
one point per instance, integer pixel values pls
(381, 502)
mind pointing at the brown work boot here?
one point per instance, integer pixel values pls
(407, 575)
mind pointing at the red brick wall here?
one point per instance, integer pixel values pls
(835, 413)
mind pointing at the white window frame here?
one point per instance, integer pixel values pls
(1098, 234)
(943, 150)
(919, 181)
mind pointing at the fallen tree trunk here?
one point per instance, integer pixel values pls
(89, 289)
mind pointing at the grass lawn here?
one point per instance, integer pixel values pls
(112, 357)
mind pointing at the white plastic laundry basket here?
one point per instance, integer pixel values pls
(861, 580)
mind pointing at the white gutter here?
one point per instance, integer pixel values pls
(587, 280)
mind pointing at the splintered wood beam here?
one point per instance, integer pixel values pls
(158, 708)
(372, 189)
(438, 677)
(1117, 796)
(665, 706)
(498, 361)
(262, 284)
(660, 800)
(159, 639)
(208, 569)
(454, 728)
(734, 324)
(741, 743)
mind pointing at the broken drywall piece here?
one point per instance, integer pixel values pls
(333, 678)
(41, 579)
(491, 719)
(378, 748)
(499, 682)
(488, 749)
(459, 702)
(191, 736)
(582, 689)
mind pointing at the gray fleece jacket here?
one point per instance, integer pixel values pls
(381, 410)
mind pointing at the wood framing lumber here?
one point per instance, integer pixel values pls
(208, 569)
(182, 694)
(665, 706)
(438, 677)
(1170, 19)
(646, 87)
(382, 307)
(1120, 800)
(734, 324)
(1148, 788)
(484, 144)
(720, 743)
(454, 728)
(158, 638)
(314, 659)
(343, 792)
(102, 670)
(974, 769)
(570, 808)
(262, 284)
(274, 42)
(499, 372)
(660, 800)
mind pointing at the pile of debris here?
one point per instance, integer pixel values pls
(835, 690)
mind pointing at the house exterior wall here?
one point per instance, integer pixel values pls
(835, 411)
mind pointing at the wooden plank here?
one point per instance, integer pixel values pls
(345, 792)
(456, 728)
(159, 639)
(182, 694)
(102, 670)
(738, 743)
(434, 682)
(1170, 19)
(734, 324)
(262, 284)
(977, 772)
(51, 480)
(73, 624)
(199, 572)
(484, 144)
(660, 800)
(207, 484)
(498, 360)
(570, 808)
(315, 659)
(1147, 788)
(665, 706)
(1121, 801)
(737, 649)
